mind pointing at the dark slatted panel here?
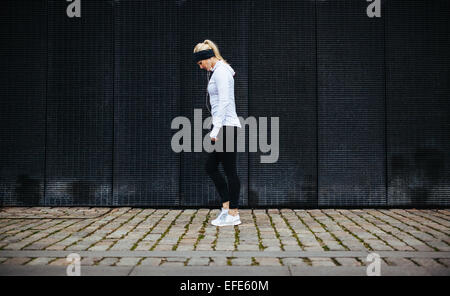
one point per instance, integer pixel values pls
(88, 102)
(351, 102)
(23, 66)
(146, 90)
(282, 83)
(418, 104)
(79, 104)
(226, 24)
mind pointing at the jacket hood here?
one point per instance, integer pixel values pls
(228, 67)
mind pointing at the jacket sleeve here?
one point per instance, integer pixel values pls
(222, 78)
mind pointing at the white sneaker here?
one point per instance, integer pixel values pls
(222, 213)
(229, 220)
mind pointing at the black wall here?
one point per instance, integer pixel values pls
(363, 103)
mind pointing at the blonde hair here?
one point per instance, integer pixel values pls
(208, 44)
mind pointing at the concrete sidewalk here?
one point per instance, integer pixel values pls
(134, 241)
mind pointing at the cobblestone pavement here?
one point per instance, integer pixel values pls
(282, 240)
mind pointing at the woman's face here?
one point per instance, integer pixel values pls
(206, 64)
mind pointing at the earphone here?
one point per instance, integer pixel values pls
(208, 74)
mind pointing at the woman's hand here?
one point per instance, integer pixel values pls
(214, 139)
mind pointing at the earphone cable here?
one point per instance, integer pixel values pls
(206, 102)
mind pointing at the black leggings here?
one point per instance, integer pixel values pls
(231, 191)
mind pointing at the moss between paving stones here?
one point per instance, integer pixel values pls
(186, 227)
(76, 242)
(374, 234)
(275, 230)
(202, 230)
(39, 223)
(254, 262)
(229, 260)
(51, 233)
(424, 217)
(424, 242)
(214, 243)
(367, 246)
(236, 237)
(307, 261)
(335, 261)
(165, 232)
(148, 232)
(93, 221)
(294, 234)
(321, 243)
(123, 236)
(332, 235)
(390, 233)
(261, 246)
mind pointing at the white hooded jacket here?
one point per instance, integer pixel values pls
(221, 94)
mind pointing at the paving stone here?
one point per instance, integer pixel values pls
(39, 261)
(144, 246)
(400, 262)
(284, 232)
(441, 246)
(90, 261)
(128, 261)
(176, 259)
(294, 261)
(270, 242)
(308, 240)
(270, 249)
(401, 233)
(348, 261)
(267, 261)
(60, 262)
(421, 247)
(163, 248)
(188, 241)
(241, 261)
(185, 247)
(218, 261)
(78, 247)
(379, 246)
(204, 247)
(399, 245)
(100, 247)
(224, 247)
(108, 261)
(123, 246)
(313, 248)
(446, 262)
(427, 262)
(16, 261)
(355, 246)
(321, 261)
(172, 264)
(362, 261)
(332, 246)
(14, 238)
(248, 247)
(151, 261)
(198, 261)
(292, 248)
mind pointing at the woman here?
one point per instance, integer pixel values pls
(223, 110)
